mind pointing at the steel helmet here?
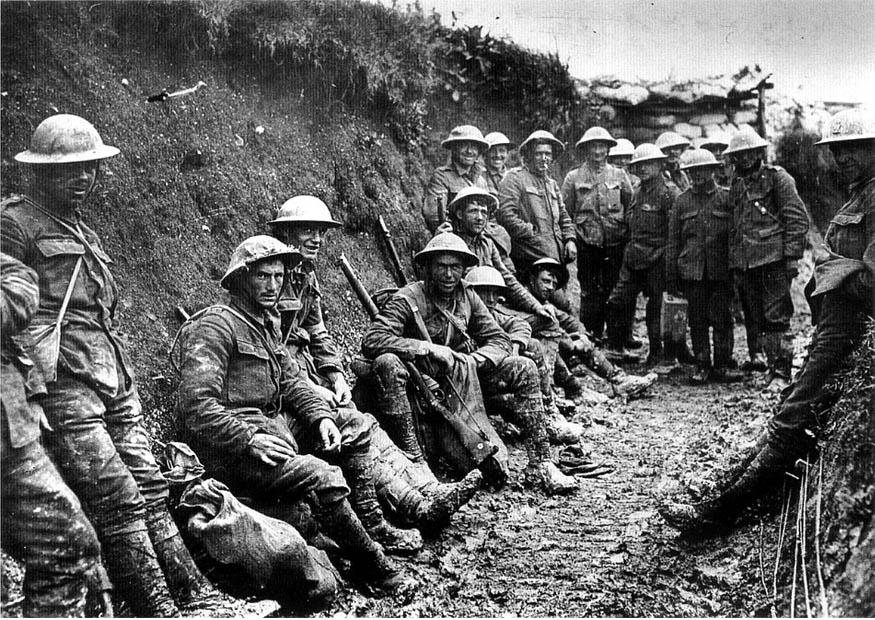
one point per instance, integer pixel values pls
(465, 133)
(646, 152)
(558, 269)
(745, 140)
(623, 148)
(447, 243)
(496, 138)
(698, 158)
(65, 139)
(542, 136)
(484, 275)
(258, 248)
(669, 139)
(849, 125)
(304, 210)
(466, 193)
(596, 134)
(717, 141)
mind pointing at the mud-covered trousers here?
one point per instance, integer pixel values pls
(631, 282)
(768, 309)
(839, 332)
(598, 270)
(709, 308)
(44, 528)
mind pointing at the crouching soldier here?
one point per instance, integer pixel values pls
(245, 408)
(445, 330)
(547, 274)
(697, 264)
(844, 284)
(43, 523)
(303, 222)
(97, 440)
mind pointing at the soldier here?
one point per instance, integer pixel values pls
(531, 207)
(770, 224)
(697, 264)
(442, 326)
(845, 288)
(303, 222)
(598, 197)
(620, 156)
(673, 145)
(717, 144)
(496, 159)
(97, 439)
(254, 420)
(545, 277)
(43, 523)
(466, 145)
(643, 261)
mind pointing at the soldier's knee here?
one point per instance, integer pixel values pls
(520, 373)
(390, 372)
(355, 428)
(325, 482)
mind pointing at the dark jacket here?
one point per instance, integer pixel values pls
(648, 222)
(442, 187)
(598, 202)
(517, 328)
(699, 232)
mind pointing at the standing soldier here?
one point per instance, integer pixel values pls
(620, 156)
(643, 262)
(845, 288)
(254, 420)
(43, 524)
(673, 145)
(598, 197)
(97, 439)
(466, 145)
(697, 264)
(770, 224)
(717, 144)
(531, 207)
(496, 167)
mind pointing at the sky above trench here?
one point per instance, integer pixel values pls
(817, 51)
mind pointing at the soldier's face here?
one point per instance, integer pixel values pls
(716, 150)
(466, 153)
(543, 285)
(673, 153)
(620, 161)
(445, 271)
(647, 169)
(856, 160)
(263, 281)
(496, 157)
(473, 217)
(67, 184)
(540, 159)
(700, 176)
(489, 295)
(308, 240)
(597, 152)
(745, 160)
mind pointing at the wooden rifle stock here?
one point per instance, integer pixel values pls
(400, 278)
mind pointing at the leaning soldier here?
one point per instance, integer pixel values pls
(303, 222)
(643, 267)
(97, 437)
(254, 420)
(844, 284)
(43, 523)
(673, 146)
(697, 264)
(770, 224)
(598, 197)
(442, 326)
(466, 145)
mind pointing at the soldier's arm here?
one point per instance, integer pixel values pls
(323, 348)
(566, 224)
(493, 343)
(435, 190)
(567, 322)
(204, 353)
(792, 214)
(861, 284)
(386, 333)
(518, 330)
(672, 244)
(13, 240)
(734, 204)
(517, 295)
(20, 299)
(300, 400)
(510, 197)
(627, 196)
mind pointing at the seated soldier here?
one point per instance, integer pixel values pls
(546, 276)
(490, 286)
(408, 486)
(442, 328)
(245, 408)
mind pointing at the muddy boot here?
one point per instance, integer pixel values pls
(379, 573)
(755, 363)
(546, 476)
(138, 579)
(702, 375)
(560, 430)
(725, 374)
(779, 360)
(631, 386)
(541, 471)
(359, 472)
(706, 517)
(440, 504)
(397, 420)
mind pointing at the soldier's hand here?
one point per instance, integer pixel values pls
(546, 311)
(330, 435)
(325, 394)
(270, 449)
(570, 251)
(342, 392)
(442, 356)
(791, 268)
(445, 227)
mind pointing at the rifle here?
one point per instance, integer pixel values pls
(400, 278)
(480, 448)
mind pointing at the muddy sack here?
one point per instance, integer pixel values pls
(271, 551)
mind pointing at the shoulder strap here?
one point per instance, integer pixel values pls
(69, 293)
(73, 231)
(417, 315)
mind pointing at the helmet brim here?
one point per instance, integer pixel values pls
(291, 258)
(34, 158)
(836, 139)
(288, 221)
(449, 142)
(647, 159)
(468, 258)
(582, 143)
(702, 165)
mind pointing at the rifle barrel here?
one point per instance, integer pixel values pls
(358, 288)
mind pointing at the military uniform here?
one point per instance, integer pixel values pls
(43, 523)
(598, 202)
(643, 261)
(770, 224)
(697, 261)
(442, 187)
(677, 177)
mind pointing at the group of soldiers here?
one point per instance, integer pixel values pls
(485, 330)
